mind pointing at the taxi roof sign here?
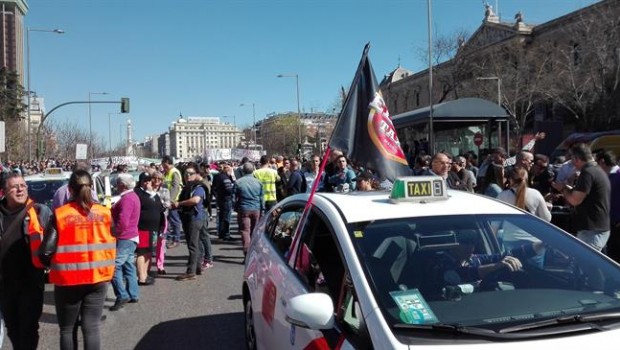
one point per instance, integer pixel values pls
(53, 171)
(419, 189)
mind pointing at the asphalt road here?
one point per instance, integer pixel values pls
(203, 313)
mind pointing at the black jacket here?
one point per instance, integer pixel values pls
(15, 257)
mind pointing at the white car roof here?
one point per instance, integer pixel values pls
(375, 205)
(42, 177)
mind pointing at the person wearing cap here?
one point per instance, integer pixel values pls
(149, 225)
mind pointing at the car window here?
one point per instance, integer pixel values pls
(318, 260)
(281, 227)
(450, 269)
(320, 265)
(43, 191)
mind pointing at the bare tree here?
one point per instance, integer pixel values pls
(585, 76)
(67, 136)
(449, 63)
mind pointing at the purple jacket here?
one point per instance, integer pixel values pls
(125, 214)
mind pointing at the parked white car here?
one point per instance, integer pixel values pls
(423, 267)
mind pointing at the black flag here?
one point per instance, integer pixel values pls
(364, 131)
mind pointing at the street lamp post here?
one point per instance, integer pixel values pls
(90, 122)
(110, 130)
(296, 76)
(28, 92)
(499, 102)
(499, 87)
(253, 135)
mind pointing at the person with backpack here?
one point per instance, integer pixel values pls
(193, 218)
(248, 203)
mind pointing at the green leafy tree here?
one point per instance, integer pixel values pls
(12, 111)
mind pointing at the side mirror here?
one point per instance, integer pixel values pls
(313, 311)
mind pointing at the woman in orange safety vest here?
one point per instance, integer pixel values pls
(80, 250)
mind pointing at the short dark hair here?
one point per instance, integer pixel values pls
(608, 157)
(264, 160)
(166, 160)
(192, 165)
(581, 151)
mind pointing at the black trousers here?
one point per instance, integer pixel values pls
(85, 301)
(22, 305)
(192, 229)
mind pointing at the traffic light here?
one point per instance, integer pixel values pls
(124, 104)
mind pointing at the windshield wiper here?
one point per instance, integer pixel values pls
(448, 328)
(564, 320)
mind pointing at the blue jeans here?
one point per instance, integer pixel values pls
(597, 239)
(224, 214)
(174, 226)
(125, 271)
(205, 242)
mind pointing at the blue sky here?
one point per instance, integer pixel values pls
(206, 57)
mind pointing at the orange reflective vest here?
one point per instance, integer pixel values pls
(86, 248)
(35, 235)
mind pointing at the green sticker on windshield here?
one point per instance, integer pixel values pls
(413, 308)
(358, 234)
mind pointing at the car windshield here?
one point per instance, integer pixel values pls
(455, 270)
(43, 191)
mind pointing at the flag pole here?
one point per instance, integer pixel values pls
(308, 207)
(431, 132)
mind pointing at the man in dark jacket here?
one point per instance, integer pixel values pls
(296, 181)
(21, 283)
(222, 188)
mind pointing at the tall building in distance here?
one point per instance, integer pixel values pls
(12, 35)
(190, 137)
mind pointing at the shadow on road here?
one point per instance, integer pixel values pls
(215, 332)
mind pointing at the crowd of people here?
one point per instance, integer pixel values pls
(125, 246)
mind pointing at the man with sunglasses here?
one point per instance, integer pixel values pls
(193, 218)
(21, 275)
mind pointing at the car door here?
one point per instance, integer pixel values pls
(317, 266)
(272, 274)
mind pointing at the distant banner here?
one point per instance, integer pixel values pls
(132, 162)
(227, 153)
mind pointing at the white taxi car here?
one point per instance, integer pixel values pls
(422, 267)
